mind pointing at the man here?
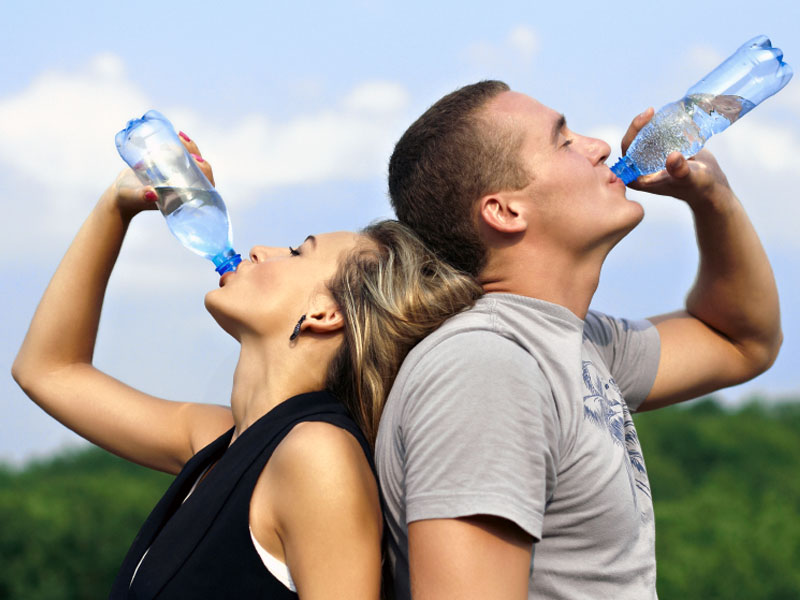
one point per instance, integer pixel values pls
(509, 462)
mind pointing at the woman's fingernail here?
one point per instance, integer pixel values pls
(150, 195)
(184, 136)
(198, 158)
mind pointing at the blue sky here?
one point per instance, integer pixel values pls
(297, 106)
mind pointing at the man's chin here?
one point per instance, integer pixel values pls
(627, 227)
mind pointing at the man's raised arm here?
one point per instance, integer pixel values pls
(729, 330)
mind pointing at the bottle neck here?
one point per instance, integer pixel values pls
(226, 261)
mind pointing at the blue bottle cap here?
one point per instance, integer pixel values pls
(229, 264)
(626, 170)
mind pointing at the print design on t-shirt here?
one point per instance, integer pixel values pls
(603, 405)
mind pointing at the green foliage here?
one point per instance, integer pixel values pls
(727, 499)
(726, 486)
(66, 524)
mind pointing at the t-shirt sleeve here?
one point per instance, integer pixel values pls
(631, 350)
(479, 433)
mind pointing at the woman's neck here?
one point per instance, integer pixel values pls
(265, 376)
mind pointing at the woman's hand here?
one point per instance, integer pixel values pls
(128, 195)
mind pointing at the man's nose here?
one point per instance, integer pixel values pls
(596, 150)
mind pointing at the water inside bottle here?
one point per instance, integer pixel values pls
(197, 218)
(685, 126)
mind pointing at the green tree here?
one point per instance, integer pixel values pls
(725, 485)
(727, 499)
(66, 524)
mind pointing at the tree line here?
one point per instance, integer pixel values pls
(726, 487)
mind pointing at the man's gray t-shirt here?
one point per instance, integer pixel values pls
(519, 409)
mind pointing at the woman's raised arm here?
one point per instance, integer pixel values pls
(54, 364)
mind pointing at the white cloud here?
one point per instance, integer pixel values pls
(524, 40)
(762, 159)
(350, 141)
(380, 97)
(702, 59)
(788, 97)
(60, 129)
(762, 146)
(57, 147)
(520, 46)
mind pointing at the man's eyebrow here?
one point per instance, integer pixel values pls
(558, 126)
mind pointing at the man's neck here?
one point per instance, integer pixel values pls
(549, 276)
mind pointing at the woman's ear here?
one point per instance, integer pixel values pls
(325, 318)
(504, 212)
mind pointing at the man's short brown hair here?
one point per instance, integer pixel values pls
(448, 159)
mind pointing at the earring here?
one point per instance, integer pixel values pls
(296, 330)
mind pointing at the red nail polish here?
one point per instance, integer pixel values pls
(198, 158)
(184, 136)
(150, 195)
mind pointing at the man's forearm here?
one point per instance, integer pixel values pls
(735, 291)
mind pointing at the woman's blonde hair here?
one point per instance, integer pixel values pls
(393, 291)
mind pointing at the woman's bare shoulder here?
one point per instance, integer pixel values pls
(320, 456)
(321, 500)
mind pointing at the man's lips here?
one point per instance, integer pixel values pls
(614, 180)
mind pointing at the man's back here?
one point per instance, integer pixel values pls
(514, 409)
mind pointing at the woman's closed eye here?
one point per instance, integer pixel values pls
(294, 251)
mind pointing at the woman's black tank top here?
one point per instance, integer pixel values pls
(201, 548)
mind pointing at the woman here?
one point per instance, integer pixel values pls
(275, 497)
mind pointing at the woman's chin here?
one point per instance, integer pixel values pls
(223, 319)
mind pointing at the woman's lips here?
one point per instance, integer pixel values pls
(224, 276)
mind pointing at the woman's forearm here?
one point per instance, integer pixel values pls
(54, 367)
(64, 327)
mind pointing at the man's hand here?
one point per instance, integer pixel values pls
(695, 180)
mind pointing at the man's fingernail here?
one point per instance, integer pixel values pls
(150, 195)
(198, 158)
(184, 136)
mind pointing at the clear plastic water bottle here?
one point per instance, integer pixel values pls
(752, 74)
(194, 211)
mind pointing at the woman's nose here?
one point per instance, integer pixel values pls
(261, 253)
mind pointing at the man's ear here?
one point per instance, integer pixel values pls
(504, 212)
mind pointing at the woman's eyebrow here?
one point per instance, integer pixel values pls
(312, 239)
